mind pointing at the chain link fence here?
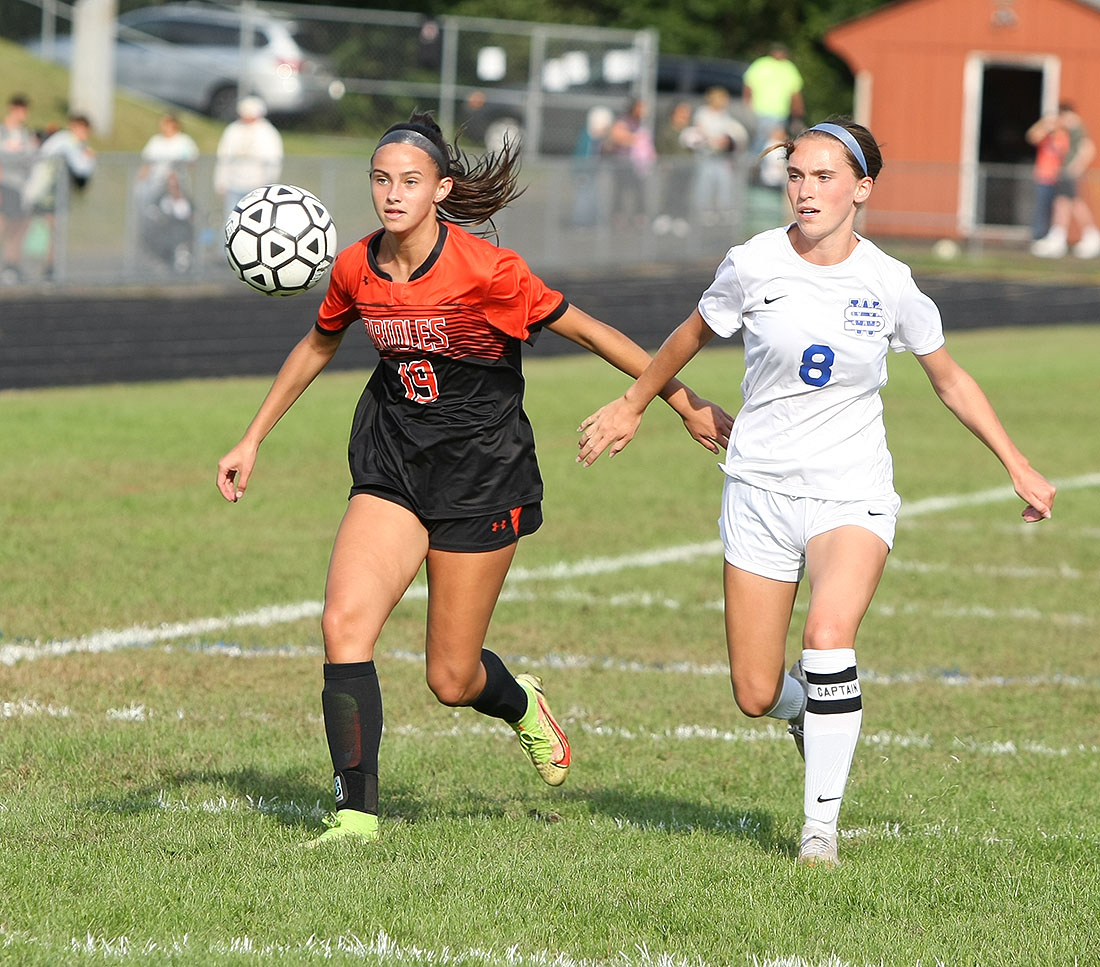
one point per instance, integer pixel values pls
(488, 77)
(110, 233)
(491, 79)
(564, 222)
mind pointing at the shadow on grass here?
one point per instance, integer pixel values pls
(299, 801)
(293, 799)
(656, 812)
(290, 798)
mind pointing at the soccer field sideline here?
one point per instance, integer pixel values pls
(109, 640)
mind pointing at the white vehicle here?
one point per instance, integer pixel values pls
(197, 56)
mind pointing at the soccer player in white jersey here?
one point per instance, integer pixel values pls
(808, 477)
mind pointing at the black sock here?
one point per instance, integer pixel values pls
(352, 706)
(503, 697)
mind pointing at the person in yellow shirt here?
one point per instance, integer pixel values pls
(773, 91)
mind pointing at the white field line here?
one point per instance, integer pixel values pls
(28, 707)
(931, 505)
(465, 726)
(378, 949)
(556, 661)
(110, 640)
(768, 732)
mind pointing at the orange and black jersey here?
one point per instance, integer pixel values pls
(441, 420)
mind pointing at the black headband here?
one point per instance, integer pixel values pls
(417, 140)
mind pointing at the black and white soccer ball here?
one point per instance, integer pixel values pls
(280, 240)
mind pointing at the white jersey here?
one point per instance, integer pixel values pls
(815, 360)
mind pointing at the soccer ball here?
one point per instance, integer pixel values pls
(280, 240)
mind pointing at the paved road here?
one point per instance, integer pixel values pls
(72, 338)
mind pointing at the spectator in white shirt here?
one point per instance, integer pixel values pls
(250, 154)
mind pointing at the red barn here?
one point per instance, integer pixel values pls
(949, 88)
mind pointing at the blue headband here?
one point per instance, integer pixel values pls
(417, 140)
(843, 135)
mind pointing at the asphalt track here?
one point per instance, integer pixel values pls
(69, 338)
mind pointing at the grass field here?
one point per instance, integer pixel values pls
(162, 758)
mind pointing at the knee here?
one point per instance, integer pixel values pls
(754, 699)
(825, 635)
(451, 688)
(335, 625)
(345, 637)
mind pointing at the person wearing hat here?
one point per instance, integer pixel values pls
(250, 154)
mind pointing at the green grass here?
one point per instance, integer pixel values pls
(156, 788)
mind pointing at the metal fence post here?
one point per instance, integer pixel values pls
(448, 73)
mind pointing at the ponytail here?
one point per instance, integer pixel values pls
(481, 188)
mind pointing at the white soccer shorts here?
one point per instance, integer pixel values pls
(766, 533)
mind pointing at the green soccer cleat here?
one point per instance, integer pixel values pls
(348, 824)
(540, 735)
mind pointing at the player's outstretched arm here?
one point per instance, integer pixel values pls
(613, 426)
(301, 367)
(962, 395)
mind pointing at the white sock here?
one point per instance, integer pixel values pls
(791, 701)
(834, 713)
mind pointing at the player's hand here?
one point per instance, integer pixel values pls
(610, 428)
(234, 469)
(1037, 493)
(708, 424)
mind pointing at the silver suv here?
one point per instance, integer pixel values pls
(196, 56)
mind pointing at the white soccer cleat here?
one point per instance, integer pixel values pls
(817, 848)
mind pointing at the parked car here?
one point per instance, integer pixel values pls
(684, 78)
(495, 113)
(191, 55)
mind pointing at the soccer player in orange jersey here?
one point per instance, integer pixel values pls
(442, 454)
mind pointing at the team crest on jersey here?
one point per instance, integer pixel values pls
(864, 316)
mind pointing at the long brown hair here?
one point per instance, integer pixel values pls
(482, 187)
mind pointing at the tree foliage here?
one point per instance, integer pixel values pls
(736, 29)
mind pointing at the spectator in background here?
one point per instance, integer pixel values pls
(164, 194)
(18, 147)
(773, 91)
(630, 146)
(1051, 142)
(170, 151)
(250, 154)
(587, 204)
(715, 136)
(1063, 152)
(64, 161)
(674, 162)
